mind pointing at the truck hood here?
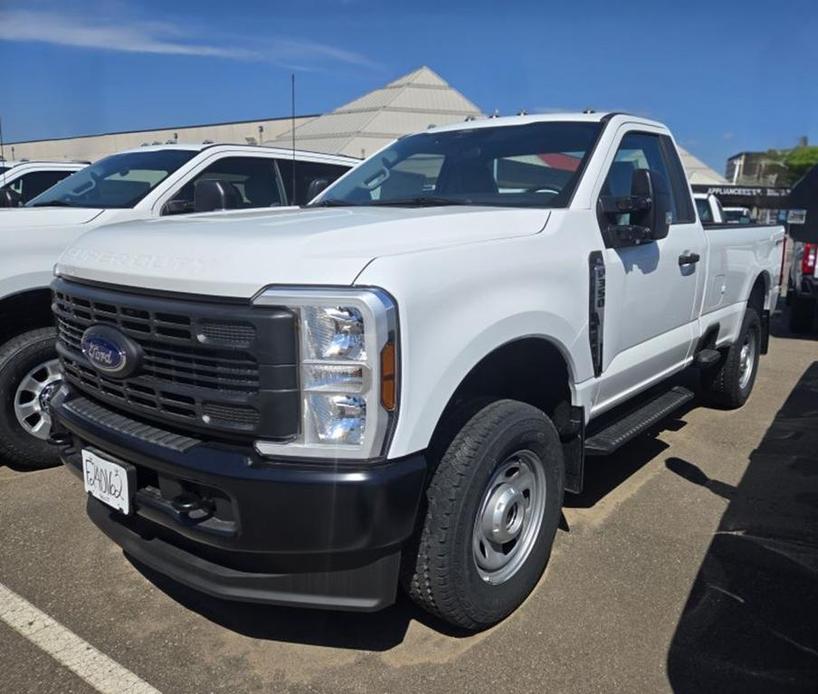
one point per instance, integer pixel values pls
(236, 255)
(30, 217)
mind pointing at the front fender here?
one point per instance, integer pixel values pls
(450, 319)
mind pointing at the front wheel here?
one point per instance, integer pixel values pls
(29, 371)
(493, 509)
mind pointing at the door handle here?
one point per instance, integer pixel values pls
(689, 258)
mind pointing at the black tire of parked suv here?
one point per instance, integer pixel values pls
(18, 357)
(442, 576)
(724, 383)
(802, 314)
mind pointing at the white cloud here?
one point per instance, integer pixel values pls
(137, 36)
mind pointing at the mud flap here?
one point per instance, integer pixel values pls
(765, 331)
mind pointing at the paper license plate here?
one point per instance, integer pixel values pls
(108, 481)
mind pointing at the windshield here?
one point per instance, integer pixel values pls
(3, 169)
(532, 165)
(121, 180)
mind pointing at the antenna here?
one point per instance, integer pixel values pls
(292, 111)
(2, 153)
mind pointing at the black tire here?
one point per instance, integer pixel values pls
(442, 577)
(802, 314)
(724, 383)
(18, 357)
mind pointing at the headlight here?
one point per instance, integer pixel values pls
(348, 371)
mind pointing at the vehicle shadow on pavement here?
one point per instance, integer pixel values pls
(375, 631)
(751, 621)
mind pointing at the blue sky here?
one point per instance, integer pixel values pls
(726, 76)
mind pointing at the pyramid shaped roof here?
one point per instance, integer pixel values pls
(410, 103)
(698, 172)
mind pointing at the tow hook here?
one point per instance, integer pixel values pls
(192, 506)
(58, 436)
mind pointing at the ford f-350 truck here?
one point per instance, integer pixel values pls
(397, 384)
(147, 182)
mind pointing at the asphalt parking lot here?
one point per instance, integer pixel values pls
(605, 617)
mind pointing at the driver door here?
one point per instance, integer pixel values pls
(653, 289)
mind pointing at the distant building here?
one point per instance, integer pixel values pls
(414, 102)
(93, 147)
(755, 169)
(760, 168)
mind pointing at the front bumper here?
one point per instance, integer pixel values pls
(317, 534)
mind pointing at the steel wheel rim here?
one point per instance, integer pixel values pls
(746, 360)
(509, 517)
(29, 399)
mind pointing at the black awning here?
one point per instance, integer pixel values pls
(761, 197)
(804, 196)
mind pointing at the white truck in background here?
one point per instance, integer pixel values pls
(709, 208)
(22, 181)
(398, 383)
(737, 215)
(139, 184)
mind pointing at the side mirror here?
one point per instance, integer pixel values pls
(316, 187)
(661, 213)
(177, 207)
(648, 207)
(8, 198)
(215, 195)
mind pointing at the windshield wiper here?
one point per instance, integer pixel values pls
(333, 203)
(419, 201)
(422, 201)
(53, 203)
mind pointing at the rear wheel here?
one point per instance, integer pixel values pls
(29, 372)
(731, 382)
(493, 509)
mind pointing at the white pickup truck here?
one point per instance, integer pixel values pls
(139, 184)
(709, 209)
(21, 181)
(398, 383)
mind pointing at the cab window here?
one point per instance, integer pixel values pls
(30, 185)
(636, 151)
(305, 173)
(705, 213)
(255, 179)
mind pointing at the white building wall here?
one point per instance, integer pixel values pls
(93, 147)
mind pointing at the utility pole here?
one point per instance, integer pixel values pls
(292, 111)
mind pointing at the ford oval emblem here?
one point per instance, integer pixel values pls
(109, 351)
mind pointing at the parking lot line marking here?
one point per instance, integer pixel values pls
(68, 649)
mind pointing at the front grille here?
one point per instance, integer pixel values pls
(167, 362)
(210, 366)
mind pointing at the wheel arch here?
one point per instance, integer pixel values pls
(532, 369)
(25, 310)
(760, 292)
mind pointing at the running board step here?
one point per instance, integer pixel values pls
(637, 422)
